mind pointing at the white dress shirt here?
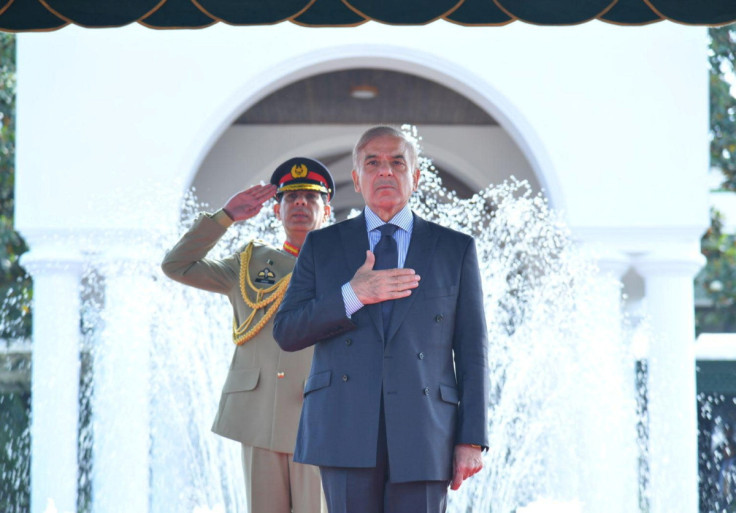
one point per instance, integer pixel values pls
(404, 220)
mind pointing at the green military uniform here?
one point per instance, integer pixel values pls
(262, 396)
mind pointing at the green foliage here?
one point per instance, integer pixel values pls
(716, 283)
(722, 59)
(15, 298)
(15, 284)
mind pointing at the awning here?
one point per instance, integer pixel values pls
(43, 15)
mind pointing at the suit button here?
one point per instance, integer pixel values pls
(426, 390)
(348, 341)
(344, 377)
(438, 318)
(420, 356)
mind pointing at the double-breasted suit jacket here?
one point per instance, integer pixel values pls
(431, 370)
(262, 395)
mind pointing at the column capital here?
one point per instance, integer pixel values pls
(670, 260)
(610, 260)
(48, 260)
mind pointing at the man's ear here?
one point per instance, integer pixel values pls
(356, 182)
(277, 210)
(328, 210)
(417, 172)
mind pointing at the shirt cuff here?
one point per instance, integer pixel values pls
(352, 303)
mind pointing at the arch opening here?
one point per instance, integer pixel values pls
(471, 134)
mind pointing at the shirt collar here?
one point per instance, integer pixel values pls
(403, 219)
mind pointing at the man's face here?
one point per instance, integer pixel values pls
(301, 211)
(385, 175)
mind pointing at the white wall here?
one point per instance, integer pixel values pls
(613, 120)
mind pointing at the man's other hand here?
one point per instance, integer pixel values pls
(467, 461)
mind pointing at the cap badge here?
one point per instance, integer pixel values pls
(299, 170)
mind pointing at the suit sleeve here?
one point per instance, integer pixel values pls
(186, 262)
(470, 346)
(307, 316)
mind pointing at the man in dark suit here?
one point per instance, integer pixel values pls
(395, 406)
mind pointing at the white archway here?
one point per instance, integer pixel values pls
(395, 58)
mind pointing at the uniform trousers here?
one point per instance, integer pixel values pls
(370, 490)
(274, 483)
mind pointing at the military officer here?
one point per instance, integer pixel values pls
(262, 396)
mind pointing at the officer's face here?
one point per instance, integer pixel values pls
(301, 211)
(385, 177)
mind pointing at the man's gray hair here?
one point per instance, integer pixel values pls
(383, 131)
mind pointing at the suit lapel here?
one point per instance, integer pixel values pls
(354, 241)
(419, 258)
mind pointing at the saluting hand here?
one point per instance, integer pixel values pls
(248, 203)
(375, 286)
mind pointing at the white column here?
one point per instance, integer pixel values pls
(121, 389)
(610, 433)
(622, 458)
(55, 377)
(673, 449)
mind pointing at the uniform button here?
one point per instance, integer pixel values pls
(438, 318)
(348, 341)
(426, 390)
(420, 356)
(344, 377)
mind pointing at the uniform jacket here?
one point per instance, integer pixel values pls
(431, 370)
(257, 407)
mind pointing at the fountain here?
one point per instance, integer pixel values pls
(563, 424)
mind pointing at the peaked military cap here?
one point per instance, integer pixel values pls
(303, 174)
